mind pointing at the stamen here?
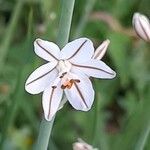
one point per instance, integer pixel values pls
(53, 87)
(77, 80)
(68, 84)
(63, 87)
(63, 75)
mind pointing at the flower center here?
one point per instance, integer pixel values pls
(66, 78)
(63, 67)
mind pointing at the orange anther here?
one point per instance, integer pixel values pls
(68, 84)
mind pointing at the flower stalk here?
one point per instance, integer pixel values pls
(62, 39)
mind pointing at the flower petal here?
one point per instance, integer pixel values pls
(41, 78)
(95, 68)
(81, 95)
(51, 100)
(62, 103)
(79, 50)
(46, 50)
(101, 50)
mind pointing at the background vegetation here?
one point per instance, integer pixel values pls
(119, 118)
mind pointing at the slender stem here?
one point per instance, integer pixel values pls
(143, 139)
(99, 137)
(84, 18)
(62, 39)
(96, 124)
(10, 32)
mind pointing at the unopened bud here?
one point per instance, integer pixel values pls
(101, 50)
(141, 25)
(81, 145)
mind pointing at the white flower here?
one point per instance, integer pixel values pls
(67, 71)
(141, 25)
(101, 50)
(82, 145)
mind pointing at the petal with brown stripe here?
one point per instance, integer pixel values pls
(46, 50)
(41, 78)
(79, 50)
(51, 100)
(95, 68)
(81, 95)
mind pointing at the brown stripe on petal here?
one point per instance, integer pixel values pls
(80, 93)
(46, 50)
(148, 38)
(136, 31)
(78, 49)
(90, 67)
(50, 100)
(40, 77)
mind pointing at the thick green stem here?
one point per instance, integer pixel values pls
(65, 22)
(44, 134)
(62, 39)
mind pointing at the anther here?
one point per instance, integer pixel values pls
(68, 84)
(53, 87)
(62, 75)
(77, 80)
(63, 87)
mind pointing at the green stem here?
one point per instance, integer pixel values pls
(62, 39)
(143, 138)
(65, 22)
(44, 134)
(84, 18)
(99, 137)
(96, 119)
(10, 32)
(145, 129)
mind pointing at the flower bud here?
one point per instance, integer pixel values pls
(101, 50)
(141, 25)
(81, 145)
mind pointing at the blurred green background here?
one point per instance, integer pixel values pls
(120, 116)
